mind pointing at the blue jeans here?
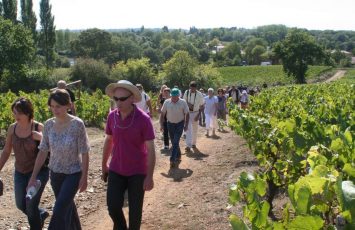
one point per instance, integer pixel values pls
(116, 187)
(65, 215)
(175, 132)
(30, 208)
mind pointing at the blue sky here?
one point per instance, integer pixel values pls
(117, 14)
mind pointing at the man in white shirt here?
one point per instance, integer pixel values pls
(145, 104)
(195, 102)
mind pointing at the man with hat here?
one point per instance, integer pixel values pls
(195, 102)
(128, 154)
(177, 115)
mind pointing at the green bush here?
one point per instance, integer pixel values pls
(92, 73)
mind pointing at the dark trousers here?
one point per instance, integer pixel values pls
(116, 187)
(30, 208)
(65, 215)
(175, 132)
(166, 133)
(202, 118)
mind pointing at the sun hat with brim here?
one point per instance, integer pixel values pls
(175, 92)
(110, 89)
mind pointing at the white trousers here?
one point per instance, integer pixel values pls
(191, 133)
(211, 121)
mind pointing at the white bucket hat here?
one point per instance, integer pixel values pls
(110, 89)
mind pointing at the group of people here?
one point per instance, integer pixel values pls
(59, 149)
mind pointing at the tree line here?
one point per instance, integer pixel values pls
(29, 56)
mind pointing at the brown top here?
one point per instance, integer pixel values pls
(25, 150)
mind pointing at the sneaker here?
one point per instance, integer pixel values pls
(166, 147)
(44, 216)
(193, 146)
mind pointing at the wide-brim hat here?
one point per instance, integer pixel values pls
(110, 89)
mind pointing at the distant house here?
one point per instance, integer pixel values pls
(342, 51)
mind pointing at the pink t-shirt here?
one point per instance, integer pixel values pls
(129, 153)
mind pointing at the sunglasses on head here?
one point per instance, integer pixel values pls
(120, 98)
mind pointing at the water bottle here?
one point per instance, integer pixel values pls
(32, 191)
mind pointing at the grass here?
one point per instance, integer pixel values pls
(257, 75)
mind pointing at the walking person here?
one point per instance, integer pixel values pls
(163, 98)
(211, 112)
(221, 109)
(176, 112)
(128, 157)
(145, 104)
(65, 137)
(234, 93)
(244, 100)
(202, 117)
(195, 103)
(63, 85)
(23, 137)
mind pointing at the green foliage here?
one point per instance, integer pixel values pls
(92, 43)
(257, 75)
(10, 9)
(179, 70)
(16, 51)
(92, 73)
(91, 108)
(135, 71)
(302, 137)
(297, 51)
(47, 36)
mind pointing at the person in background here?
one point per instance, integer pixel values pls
(195, 102)
(165, 96)
(234, 94)
(161, 98)
(211, 112)
(128, 157)
(176, 112)
(145, 104)
(64, 135)
(202, 117)
(63, 85)
(23, 137)
(221, 108)
(244, 100)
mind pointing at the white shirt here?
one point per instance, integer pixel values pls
(143, 103)
(210, 105)
(195, 99)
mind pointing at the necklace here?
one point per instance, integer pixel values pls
(126, 127)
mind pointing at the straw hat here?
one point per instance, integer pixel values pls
(110, 89)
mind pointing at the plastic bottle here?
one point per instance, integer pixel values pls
(32, 191)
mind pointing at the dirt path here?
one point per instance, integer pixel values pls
(195, 196)
(339, 74)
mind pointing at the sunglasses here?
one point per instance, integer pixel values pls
(120, 98)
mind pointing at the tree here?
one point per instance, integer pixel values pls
(29, 17)
(93, 74)
(135, 71)
(16, 50)
(93, 43)
(47, 34)
(10, 9)
(179, 70)
(297, 51)
(1, 9)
